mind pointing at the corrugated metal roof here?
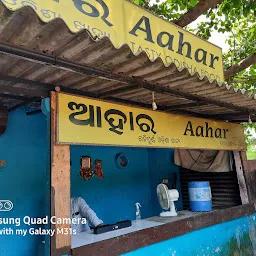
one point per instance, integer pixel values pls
(25, 30)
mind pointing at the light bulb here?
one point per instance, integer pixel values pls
(154, 106)
(250, 120)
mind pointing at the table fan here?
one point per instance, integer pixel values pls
(166, 198)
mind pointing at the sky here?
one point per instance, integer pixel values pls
(216, 38)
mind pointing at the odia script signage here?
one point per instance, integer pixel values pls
(125, 23)
(87, 121)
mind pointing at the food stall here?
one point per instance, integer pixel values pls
(118, 125)
(115, 79)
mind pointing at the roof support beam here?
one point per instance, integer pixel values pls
(179, 109)
(184, 106)
(18, 91)
(45, 88)
(110, 98)
(103, 74)
(207, 101)
(33, 84)
(13, 97)
(229, 116)
(118, 91)
(190, 113)
(51, 87)
(22, 104)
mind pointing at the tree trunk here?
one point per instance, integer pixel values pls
(202, 7)
(242, 65)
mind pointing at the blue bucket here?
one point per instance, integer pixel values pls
(200, 197)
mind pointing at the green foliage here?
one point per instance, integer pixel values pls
(250, 134)
(223, 17)
(242, 44)
(170, 10)
(251, 153)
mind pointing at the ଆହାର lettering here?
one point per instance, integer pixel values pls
(114, 117)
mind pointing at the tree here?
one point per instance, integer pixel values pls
(240, 60)
(192, 14)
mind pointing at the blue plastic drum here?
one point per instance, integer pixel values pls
(200, 197)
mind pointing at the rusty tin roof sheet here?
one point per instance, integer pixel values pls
(25, 30)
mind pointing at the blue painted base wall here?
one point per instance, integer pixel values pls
(233, 238)
(23, 179)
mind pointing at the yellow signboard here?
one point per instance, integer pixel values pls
(126, 23)
(88, 121)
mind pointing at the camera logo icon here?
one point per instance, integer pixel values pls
(6, 205)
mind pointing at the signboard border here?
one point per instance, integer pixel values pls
(128, 146)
